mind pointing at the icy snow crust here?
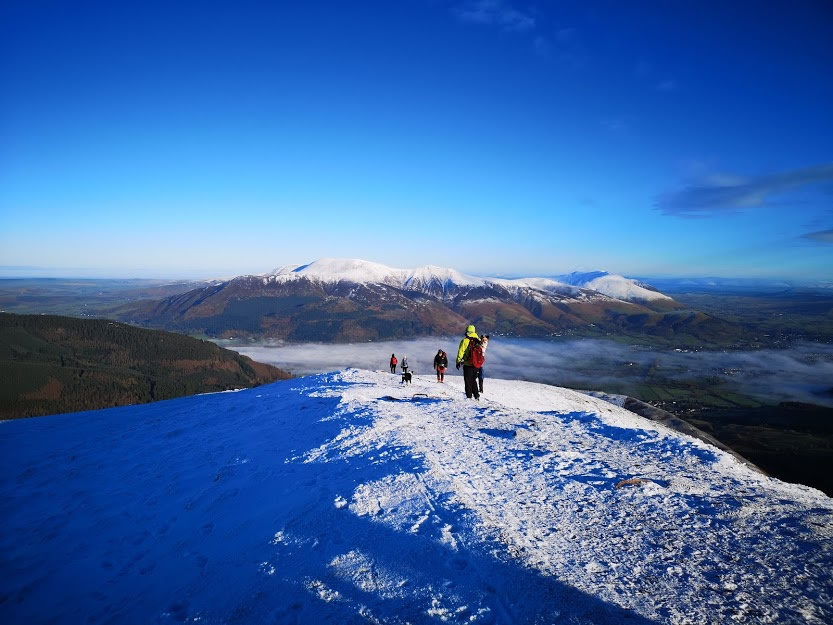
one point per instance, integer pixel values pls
(362, 271)
(348, 498)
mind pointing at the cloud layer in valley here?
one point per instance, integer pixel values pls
(802, 373)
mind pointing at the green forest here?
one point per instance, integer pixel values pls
(51, 364)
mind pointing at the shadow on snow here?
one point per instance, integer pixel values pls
(201, 509)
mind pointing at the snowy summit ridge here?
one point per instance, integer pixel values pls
(346, 497)
(432, 278)
(364, 271)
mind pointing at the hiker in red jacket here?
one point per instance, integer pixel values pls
(393, 363)
(484, 343)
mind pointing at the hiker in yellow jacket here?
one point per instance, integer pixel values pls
(464, 358)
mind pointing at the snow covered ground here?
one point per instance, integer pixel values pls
(348, 498)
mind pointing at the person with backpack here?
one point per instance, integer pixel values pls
(404, 364)
(393, 363)
(470, 355)
(484, 343)
(440, 365)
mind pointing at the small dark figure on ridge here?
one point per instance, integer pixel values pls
(440, 365)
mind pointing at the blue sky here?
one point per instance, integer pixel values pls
(497, 137)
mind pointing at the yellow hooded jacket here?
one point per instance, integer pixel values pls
(464, 345)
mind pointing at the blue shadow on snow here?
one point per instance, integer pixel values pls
(203, 508)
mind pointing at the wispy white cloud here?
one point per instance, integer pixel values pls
(648, 74)
(821, 236)
(616, 126)
(564, 45)
(542, 47)
(572, 52)
(643, 70)
(497, 13)
(725, 193)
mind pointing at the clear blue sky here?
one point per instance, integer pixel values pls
(493, 136)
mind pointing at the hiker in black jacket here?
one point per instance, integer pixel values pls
(470, 356)
(440, 365)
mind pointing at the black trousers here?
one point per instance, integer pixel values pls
(470, 379)
(480, 378)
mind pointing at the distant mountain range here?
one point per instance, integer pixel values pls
(355, 300)
(738, 285)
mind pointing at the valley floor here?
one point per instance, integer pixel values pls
(347, 497)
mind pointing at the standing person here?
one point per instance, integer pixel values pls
(404, 364)
(484, 343)
(470, 355)
(440, 364)
(393, 363)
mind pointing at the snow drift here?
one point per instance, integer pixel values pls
(347, 497)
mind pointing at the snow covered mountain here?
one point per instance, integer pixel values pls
(357, 300)
(348, 498)
(429, 279)
(615, 286)
(442, 281)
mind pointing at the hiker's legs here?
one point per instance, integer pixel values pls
(470, 380)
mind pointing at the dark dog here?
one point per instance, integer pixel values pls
(406, 378)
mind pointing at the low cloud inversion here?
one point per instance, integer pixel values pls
(797, 374)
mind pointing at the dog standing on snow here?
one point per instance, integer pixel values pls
(406, 377)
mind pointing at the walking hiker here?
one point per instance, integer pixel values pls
(393, 363)
(484, 343)
(470, 355)
(440, 364)
(404, 364)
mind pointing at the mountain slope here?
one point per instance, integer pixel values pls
(348, 498)
(51, 364)
(614, 286)
(356, 300)
(441, 281)
(300, 310)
